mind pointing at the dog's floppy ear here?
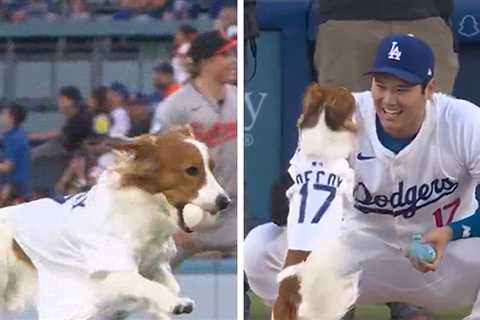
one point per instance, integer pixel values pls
(313, 101)
(135, 145)
(339, 108)
(120, 143)
(185, 130)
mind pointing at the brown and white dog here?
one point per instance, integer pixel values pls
(104, 253)
(319, 288)
(326, 125)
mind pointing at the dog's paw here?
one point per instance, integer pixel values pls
(184, 305)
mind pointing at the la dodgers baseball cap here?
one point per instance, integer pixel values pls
(406, 57)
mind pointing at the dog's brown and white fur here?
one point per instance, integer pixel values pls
(327, 132)
(151, 168)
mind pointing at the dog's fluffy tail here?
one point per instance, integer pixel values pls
(18, 279)
(327, 291)
(5, 245)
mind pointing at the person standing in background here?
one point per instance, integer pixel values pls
(98, 105)
(140, 115)
(163, 81)
(77, 127)
(208, 103)
(15, 166)
(181, 43)
(361, 27)
(118, 96)
(226, 21)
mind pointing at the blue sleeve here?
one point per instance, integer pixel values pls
(467, 227)
(10, 149)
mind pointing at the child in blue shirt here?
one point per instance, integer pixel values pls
(15, 165)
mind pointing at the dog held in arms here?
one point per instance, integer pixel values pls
(321, 287)
(105, 253)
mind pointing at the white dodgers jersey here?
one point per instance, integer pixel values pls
(317, 200)
(429, 183)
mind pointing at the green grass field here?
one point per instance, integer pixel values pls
(260, 312)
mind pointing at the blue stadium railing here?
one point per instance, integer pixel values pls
(92, 29)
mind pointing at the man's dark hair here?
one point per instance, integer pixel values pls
(100, 95)
(73, 93)
(164, 67)
(425, 84)
(188, 29)
(17, 111)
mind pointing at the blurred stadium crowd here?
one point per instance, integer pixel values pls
(110, 110)
(142, 10)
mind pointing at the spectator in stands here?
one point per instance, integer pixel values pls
(181, 43)
(118, 100)
(184, 34)
(76, 178)
(156, 9)
(81, 173)
(118, 96)
(98, 105)
(164, 82)
(4, 13)
(78, 10)
(215, 6)
(209, 104)
(77, 127)
(22, 10)
(140, 115)
(129, 9)
(141, 9)
(132, 4)
(183, 9)
(226, 21)
(15, 165)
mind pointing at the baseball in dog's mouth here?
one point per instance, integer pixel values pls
(191, 217)
(181, 222)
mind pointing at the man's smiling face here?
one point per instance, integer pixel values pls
(400, 106)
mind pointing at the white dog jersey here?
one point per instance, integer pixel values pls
(71, 231)
(69, 240)
(317, 200)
